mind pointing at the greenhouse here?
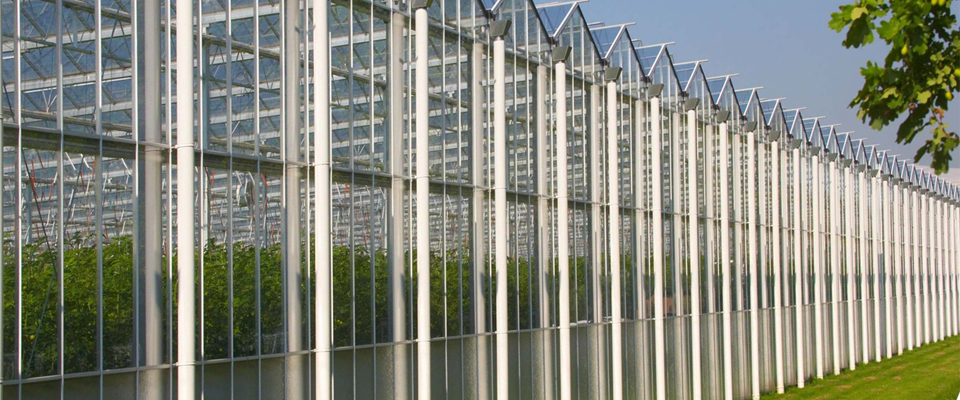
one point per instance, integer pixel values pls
(434, 199)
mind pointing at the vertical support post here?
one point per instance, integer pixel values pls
(186, 313)
(776, 267)
(798, 211)
(752, 264)
(613, 181)
(500, 215)
(544, 236)
(321, 178)
(710, 240)
(395, 235)
(955, 265)
(152, 192)
(917, 266)
(835, 295)
(938, 251)
(875, 230)
(640, 236)
(563, 223)
(848, 244)
(927, 278)
(897, 262)
(422, 90)
(597, 345)
(478, 276)
(291, 52)
(657, 213)
(946, 250)
(678, 338)
(693, 247)
(887, 266)
(725, 265)
(953, 248)
(864, 265)
(909, 265)
(817, 194)
(932, 260)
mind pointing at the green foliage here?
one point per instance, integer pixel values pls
(360, 290)
(919, 74)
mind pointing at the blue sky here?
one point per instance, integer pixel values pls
(784, 46)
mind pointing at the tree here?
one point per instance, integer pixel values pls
(918, 75)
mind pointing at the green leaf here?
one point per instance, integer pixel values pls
(857, 12)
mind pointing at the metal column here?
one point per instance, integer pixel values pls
(693, 248)
(186, 314)
(500, 249)
(848, 201)
(657, 214)
(725, 260)
(563, 224)
(422, 109)
(323, 265)
(798, 212)
(777, 266)
(816, 203)
(294, 376)
(752, 263)
(395, 230)
(613, 182)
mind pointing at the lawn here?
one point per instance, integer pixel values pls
(928, 372)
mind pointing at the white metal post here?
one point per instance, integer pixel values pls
(321, 178)
(908, 266)
(875, 230)
(657, 213)
(186, 314)
(953, 249)
(596, 355)
(946, 218)
(930, 266)
(938, 250)
(848, 201)
(479, 224)
(613, 181)
(544, 236)
(955, 264)
(917, 267)
(726, 272)
(294, 378)
(818, 230)
(930, 279)
(934, 278)
(693, 247)
(423, 202)
(864, 266)
(152, 195)
(897, 263)
(563, 230)
(396, 237)
(752, 263)
(945, 267)
(836, 204)
(500, 215)
(640, 231)
(777, 267)
(798, 212)
(887, 266)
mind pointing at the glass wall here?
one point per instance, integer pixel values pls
(701, 240)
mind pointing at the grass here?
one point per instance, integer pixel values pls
(928, 372)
